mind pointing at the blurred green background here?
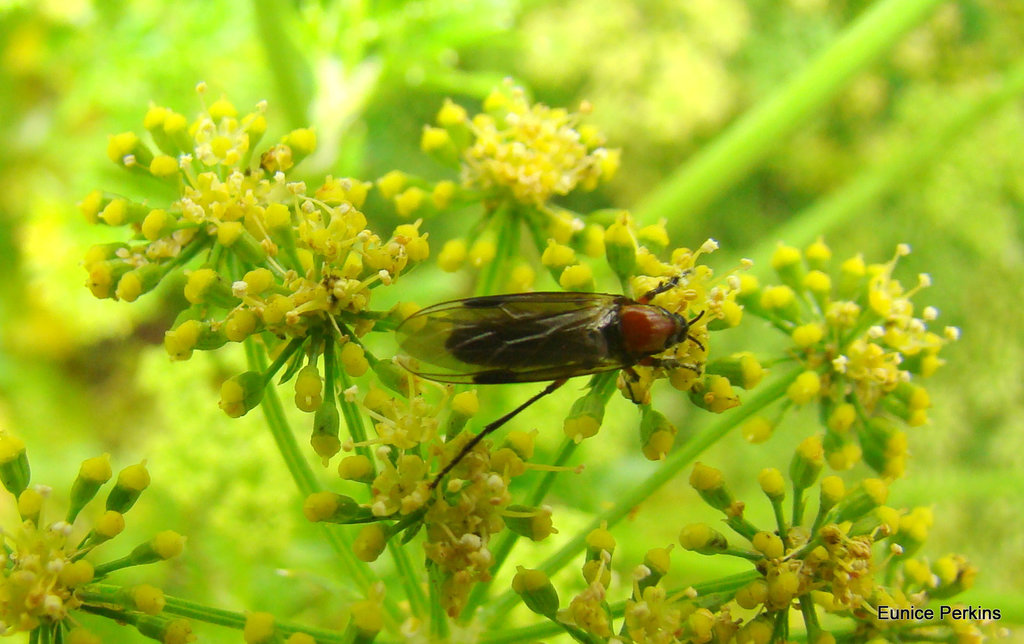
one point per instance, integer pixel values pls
(80, 377)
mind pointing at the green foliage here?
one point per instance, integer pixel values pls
(869, 123)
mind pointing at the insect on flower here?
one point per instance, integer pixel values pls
(535, 337)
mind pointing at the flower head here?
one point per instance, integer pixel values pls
(864, 346)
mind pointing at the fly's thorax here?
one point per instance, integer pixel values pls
(648, 330)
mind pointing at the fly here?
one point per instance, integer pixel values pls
(537, 337)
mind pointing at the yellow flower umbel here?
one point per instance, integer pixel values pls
(46, 577)
(863, 345)
(532, 152)
(264, 256)
(460, 518)
(840, 561)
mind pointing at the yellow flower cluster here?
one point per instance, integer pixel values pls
(830, 565)
(263, 255)
(862, 344)
(45, 576)
(460, 519)
(530, 152)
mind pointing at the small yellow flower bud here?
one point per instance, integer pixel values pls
(353, 359)
(832, 491)
(76, 573)
(599, 539)
(302, 141)
(370, 542)
(772, 483)
(443, 193)
(30, 504)
(620, 247)
(482, 252)
(805, 388)
(131, 481)
(277, 216)
(557, 255)
(657, 434)
(757, 430)
(807, 335)
(391, 184)
(466, 403)
(148, 599)
(452, 255)
(783, 588)
(818, 254)
(533, 523)
(109, 525)
(578, 277)
(753, 594)
(222, 108)
(451, 114)
(842, 418)
(409, 201)
(819, 284)
(537, 591)
(788, 264)
(80, 635)
(168, 544)
(163, 166)
(714, 393)
(241, 393)
(768, 544)
(702, 538)
(356, 468)
(308, 388)
(259, 628)
(240, 324)
(807, 462)
(156, 224)
(434, 138)
(782, 301)
(852, 275)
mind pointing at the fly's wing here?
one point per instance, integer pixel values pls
(524, 337)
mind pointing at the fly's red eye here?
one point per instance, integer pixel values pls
(647, 330)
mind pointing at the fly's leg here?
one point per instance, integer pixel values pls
(631, 377)
(667, 285)
(473, 442)
(671, 363)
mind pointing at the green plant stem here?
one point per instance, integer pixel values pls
(307, 484)
(719, 165)
(857, 196)
(409, 576)
(438, 616)
(667, 470)
(192, 610)
(507, 242)
(291, 71)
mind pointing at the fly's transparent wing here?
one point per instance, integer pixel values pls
(524, 337)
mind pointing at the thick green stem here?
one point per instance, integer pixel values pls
(665, 473)
(291, 70)
(719, 165)
(854, 199)
(306, 482)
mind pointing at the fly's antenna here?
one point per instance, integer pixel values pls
(473, 442)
